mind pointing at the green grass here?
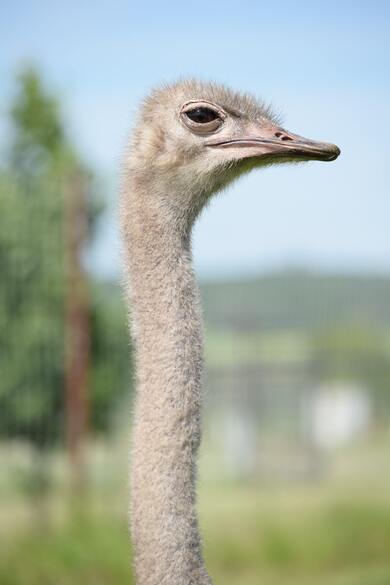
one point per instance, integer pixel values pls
(295, 535)
(330, 532)
(93, 552)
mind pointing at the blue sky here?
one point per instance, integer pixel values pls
(324, 65)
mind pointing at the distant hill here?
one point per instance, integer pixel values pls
(297, 300)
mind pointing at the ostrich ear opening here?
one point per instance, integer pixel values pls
(276, 142)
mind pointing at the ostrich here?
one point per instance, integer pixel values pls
(192, 140)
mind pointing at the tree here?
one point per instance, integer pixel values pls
(32, 267)
(34, 188)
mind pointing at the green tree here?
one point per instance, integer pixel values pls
(31, 265)
(33, 188)
(38, 137)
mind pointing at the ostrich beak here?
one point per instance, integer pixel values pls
(275, 142)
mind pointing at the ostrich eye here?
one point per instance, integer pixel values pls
(202, 115)
(202, 118)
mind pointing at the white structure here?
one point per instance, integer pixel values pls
(340, 412)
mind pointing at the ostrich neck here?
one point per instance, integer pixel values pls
(166, 327)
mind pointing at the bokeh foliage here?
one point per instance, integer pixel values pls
(34, 181)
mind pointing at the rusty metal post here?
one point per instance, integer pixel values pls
(77, 326)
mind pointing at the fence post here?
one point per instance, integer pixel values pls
(77, 326)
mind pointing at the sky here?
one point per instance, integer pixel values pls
(323, 65)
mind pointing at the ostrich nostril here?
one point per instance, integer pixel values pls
(282, 136)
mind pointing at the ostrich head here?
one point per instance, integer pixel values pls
(194, 138)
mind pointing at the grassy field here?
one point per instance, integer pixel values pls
(333, 532)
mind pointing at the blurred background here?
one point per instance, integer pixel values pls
(294, 265)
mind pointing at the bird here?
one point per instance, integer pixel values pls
(191, 140)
